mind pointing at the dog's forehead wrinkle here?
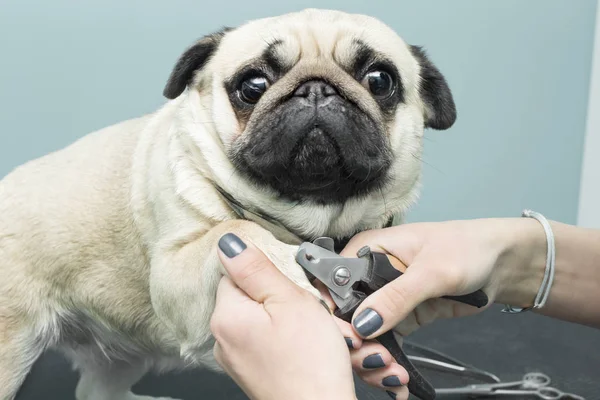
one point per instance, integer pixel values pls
(311, 34)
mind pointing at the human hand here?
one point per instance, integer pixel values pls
(274, 339)
(370, 360)
(449, 258)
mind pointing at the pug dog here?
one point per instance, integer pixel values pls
(281, 130)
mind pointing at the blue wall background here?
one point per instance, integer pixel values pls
(519, 71)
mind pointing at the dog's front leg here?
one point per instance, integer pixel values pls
(185, 274)
(111, 380)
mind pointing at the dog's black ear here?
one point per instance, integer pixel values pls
(440, 110)
(193, 59)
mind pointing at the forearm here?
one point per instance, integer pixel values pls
(575, 293)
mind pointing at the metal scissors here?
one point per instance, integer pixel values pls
(532, 384)
(351, 279)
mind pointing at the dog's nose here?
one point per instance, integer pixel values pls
(316, 89)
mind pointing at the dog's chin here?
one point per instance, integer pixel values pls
(316, 170)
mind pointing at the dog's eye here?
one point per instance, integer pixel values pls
(252, 89)
(379, 83)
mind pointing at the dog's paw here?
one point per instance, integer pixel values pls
(284, 257)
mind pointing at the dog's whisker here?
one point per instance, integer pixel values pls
(385, 208)
(425, 162)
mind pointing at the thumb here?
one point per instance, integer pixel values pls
(391, 304)
(251, 270)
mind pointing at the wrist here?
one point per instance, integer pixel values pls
(522, 261)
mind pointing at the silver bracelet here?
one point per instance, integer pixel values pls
(544, 292)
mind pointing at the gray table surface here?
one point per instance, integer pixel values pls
(506, 345)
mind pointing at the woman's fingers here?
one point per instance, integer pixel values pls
(400, 393)
(390, 305)
(373, 362)
(387, 377)
(352, 339)
(375, 366)
(252, 271)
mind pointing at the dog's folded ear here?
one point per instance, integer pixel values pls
(192, 60)
(440, 110)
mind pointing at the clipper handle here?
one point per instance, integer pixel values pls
(417, 385)
(384, 269)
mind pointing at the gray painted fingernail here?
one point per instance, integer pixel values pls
(367, 322)
(373, 361)
(349, 342)
(231, 245)
(391, 394)
(391, 381)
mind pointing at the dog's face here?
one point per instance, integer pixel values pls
(319, 106)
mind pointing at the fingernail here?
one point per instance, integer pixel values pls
(391, 394)
(367, 322)
(231, 245)
(373, 361)
(349, 342)
(391, 381)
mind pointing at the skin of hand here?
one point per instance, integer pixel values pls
(447, 258)
(274, 339)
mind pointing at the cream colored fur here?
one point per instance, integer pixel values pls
(108, 246)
